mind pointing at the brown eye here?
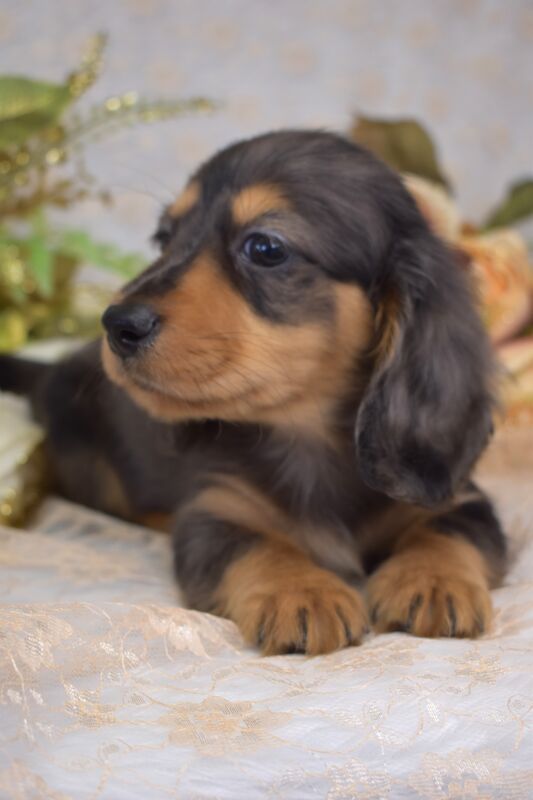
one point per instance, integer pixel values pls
(265, 251)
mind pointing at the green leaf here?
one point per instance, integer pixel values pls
(80, 246)
(41, 264)
(28, 106)
(38, 224)
(517, 205)
(403, 144)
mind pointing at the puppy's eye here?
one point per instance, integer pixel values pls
(265, 251)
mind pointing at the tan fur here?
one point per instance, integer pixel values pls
(114, 497)
(186, 200)
(254, 201)
(329, 548)
(433, 585)
(233, 500)
(216, 357)
(388, 325)
(274, 590)
(156, 521)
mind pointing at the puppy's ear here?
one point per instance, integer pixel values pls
(426, 414)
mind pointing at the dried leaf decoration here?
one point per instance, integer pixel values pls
(403, 144)
(29, 106)
(517, 205)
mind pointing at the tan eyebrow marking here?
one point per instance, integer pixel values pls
(252, 201)
(186, 200)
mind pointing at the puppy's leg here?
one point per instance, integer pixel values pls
(436, 582)
(235, 558)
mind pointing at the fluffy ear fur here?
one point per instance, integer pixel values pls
(426, 415)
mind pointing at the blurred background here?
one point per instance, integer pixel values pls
(462, 67)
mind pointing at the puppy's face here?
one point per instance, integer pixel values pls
(256, 309)
(286, 258)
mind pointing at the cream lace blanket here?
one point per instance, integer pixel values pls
(110, 690)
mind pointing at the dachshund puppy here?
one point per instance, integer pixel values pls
(301, 381)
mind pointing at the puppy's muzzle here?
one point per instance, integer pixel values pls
(130, 328)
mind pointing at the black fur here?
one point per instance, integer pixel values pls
(475, 520)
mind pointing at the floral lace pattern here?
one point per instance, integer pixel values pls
(109, 689)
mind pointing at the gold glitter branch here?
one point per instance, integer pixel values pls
(91, 66)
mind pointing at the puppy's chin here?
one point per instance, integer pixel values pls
(258, 403)
(173, 406)
(158, 405)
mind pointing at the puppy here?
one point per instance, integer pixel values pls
(302, 383)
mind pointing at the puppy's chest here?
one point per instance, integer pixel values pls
(318, 490)
(327, 507)
(310, 480)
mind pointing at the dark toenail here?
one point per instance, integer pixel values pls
(416, 602)
(452, 615)
(302, 619)
(347, 630)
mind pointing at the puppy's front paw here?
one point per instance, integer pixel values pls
(427, 600)
(313, 613)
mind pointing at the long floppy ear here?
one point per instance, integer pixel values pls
(426, 414)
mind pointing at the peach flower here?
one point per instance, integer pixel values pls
(436, 205)
(499, 260)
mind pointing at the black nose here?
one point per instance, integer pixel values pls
(129, 327)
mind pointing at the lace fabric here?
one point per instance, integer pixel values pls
(110, 689)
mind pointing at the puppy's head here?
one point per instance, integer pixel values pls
(288, 262)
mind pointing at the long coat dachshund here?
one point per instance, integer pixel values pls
(301, 383)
